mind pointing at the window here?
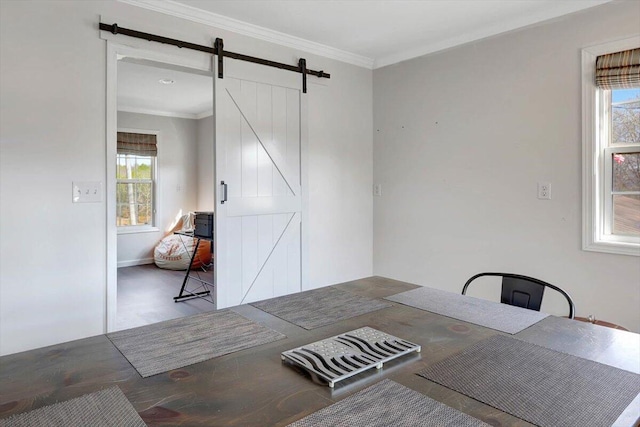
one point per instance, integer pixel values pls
(135, 180)
(622, 162)
(611, 148)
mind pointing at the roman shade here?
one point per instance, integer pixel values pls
(140, 144)
(618, 70)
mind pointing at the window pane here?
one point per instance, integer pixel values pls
(143, 192)
(131, 165)
(125, 200)
(134, 203)
(122, 218)
(134, 200)
(626, 214)
(121, 167)
(143, 168)
(625, 116)
(626, 171)
(123, 196)
(134, 167)
(144, 215)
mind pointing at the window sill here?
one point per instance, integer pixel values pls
(618, 248)
(138, 229)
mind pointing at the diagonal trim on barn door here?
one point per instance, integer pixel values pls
(288, 229)
(278, 161)
(264, 205)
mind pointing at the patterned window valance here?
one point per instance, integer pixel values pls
(618, 70)
(140, 144)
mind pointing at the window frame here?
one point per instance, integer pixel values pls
(144, 228)
(596, 208)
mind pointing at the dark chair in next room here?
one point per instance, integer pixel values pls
(523, 291)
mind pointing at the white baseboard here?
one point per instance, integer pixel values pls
(132, 262)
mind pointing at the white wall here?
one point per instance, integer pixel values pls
(340, 176)
(52, 124)
(461, 139)
(177, 184)
(206, 165)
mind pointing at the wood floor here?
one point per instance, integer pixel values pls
(145, 295)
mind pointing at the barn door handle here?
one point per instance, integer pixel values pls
(224, 192)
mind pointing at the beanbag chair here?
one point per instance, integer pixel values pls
(174, 250)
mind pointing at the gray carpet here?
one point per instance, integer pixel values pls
(385, 404)
(538, 385)
(606, 345)
(176, 343)
(104, 408)
(494, 315)
(319, 307)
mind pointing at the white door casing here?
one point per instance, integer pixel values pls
(260, 151)
(138, 49)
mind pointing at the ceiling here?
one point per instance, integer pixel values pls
(140, 90)
(370, 33)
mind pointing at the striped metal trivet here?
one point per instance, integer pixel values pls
(343, 356)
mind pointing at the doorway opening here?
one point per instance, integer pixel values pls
(162, 172)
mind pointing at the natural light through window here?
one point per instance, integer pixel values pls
(135, 180)
(134, 190)
(623, 163)
(611, 147)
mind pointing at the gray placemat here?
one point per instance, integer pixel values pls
(385, 404)
(319, 307)
(598, 343)
(494, 315)
(176, 343)
(104, 408)
(539, 385)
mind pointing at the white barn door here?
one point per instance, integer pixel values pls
(260, 149)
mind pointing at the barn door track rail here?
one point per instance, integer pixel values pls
(218, 49)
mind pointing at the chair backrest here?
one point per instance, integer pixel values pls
(523, 291)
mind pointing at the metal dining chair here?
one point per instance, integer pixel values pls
(523, 291)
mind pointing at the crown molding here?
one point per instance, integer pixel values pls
(162, 113)
(179, 10)
(559, 10)
(204, 114)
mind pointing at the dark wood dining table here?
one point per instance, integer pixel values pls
(254, 387)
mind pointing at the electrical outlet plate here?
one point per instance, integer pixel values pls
(377, 190)
(87, 192)
(544, 190)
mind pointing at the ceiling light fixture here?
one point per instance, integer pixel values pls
(167, 81)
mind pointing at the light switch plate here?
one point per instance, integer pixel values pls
(87, 192)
